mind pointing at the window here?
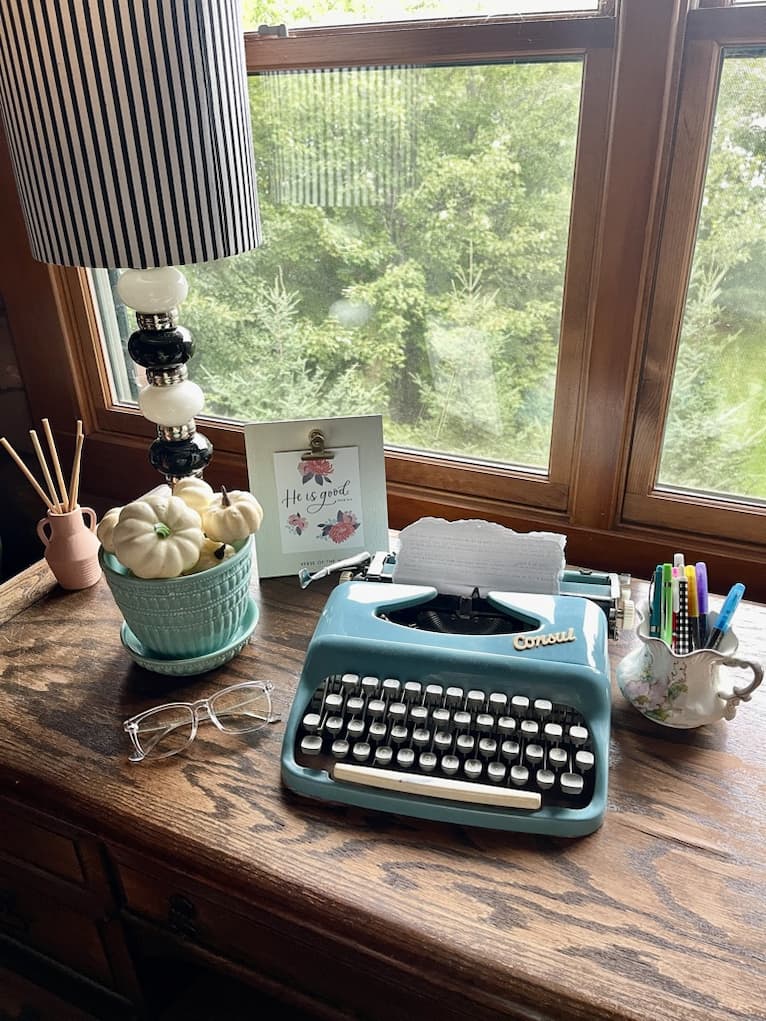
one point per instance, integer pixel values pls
(561, 247)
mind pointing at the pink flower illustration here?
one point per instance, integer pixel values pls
(341, 528)
(297, 524)
(318, 469)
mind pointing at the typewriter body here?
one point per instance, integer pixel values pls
(485, 712)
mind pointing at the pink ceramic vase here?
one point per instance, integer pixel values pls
(71, 547)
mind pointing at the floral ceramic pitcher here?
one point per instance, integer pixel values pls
(683, 691)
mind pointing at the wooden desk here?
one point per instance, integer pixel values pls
(659, 915)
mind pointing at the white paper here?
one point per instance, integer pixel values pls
(456, 557)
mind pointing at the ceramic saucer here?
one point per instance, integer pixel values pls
(196, 664)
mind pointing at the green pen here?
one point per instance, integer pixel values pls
(667, 604)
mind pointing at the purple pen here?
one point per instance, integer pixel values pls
(702, 601)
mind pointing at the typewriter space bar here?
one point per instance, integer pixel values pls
(436, 787)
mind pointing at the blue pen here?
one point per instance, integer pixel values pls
(728, 609)
(655, 615)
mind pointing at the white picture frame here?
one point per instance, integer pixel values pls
(313, 519)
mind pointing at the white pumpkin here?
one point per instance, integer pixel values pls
(105, 530)
(231, 517)
(194, 492)
(212, 554)
(158, 537)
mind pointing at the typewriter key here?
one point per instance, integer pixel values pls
(572, 783)
(311, 722)
(355, 704)
(370, 685)
(339, 749)
(376, 707)
(442, 740)
(399, 734)
(506, 725)
(465, 743)
(461, 719)
(440, 717)
(377, 731)
(349, 682)
(355, 729)
(453, 696)
(509, 750)
(498, 703)
(545, 779)
(427, 762)
(418, 715)
(485, 722)
(584, 760)
(450, 764)
(412, 690)
(543, 708)
(311, 744)
(530, 728)
(334, 726)
(474, 700)
(519, 775)
(361, 751)
(535, 754)
(391, 687)
(383, 755)
(496, 772)
(472, 769)
(405, 758)
(421, 737)
(433, 695)
(553, 731)
(487, 747)
(578, 735)
(519, 704)
(558, 758)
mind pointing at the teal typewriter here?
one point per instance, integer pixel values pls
(489, 711)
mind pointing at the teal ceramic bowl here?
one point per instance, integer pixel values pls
(181, 618)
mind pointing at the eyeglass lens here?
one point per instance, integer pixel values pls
(241, 709)
(165, 731)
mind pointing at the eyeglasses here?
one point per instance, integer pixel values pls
(168, 729)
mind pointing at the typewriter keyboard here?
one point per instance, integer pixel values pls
(458, 743)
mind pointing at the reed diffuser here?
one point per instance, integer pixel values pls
(68, 530)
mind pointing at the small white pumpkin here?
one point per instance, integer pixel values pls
(158, 537)
(212, 554)
(194, 492)
(105, 530)
(231, 517)
(162, 490)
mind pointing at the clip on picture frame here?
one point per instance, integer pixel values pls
(322, 484)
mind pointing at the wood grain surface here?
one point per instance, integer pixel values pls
(660, 915)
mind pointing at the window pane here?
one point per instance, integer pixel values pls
(715, 438)
(415, 224)
(350, 12)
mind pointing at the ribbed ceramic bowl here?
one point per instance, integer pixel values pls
(179, 618)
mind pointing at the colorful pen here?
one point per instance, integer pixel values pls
(674, 590)
(702, 599)
(694, 613)
(667, 604)
(723, 623)
(683, 645)
(655, 615)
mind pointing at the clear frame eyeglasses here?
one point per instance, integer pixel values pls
(167, 729)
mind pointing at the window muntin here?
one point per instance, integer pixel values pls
(416, 224)
(715, 439)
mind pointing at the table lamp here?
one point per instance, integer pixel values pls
(129, 131)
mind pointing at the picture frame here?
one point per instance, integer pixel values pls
(322, 485)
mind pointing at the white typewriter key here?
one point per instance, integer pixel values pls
(434, 694)
(442, 740)
(558, 758)
(472, 769)
(440, 717)
(506, 725)
(509, 750)
(461, 718)
(519, 703)
(543, 707)
(311, 722)
(391, 687)
(485, 722)
(545, 779)
(572, 783)
(535, 754)
(383, 755)
(553, 731)
(498, 703)
(354, 704)
(450, 764)
(530, 728)
(361, 751)
(340, 749)
(487, 747)
(496, 772)
(334, 726)
(418, 715)
(436, 787)
(421, 737)
(376, 707)
(405, 757)
(453, 696)
(519, 775)
(584, 760)
(427, 762)
(412, 691)
(311, 744)
(355, 728)
(465, 744)
(370, 685)
(475, 700)
(578, 735)
(349, 682)
(334, 703)
(377, 731)
(399, 733)
(397, 711)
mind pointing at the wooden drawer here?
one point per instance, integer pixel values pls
(37, 920)
(22, 1000)
(28, 841)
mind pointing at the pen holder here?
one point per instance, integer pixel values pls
(683, 691)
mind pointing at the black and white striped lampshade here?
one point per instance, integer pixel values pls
(129, 129)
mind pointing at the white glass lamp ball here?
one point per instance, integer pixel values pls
(152, 290)
(171, 405)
